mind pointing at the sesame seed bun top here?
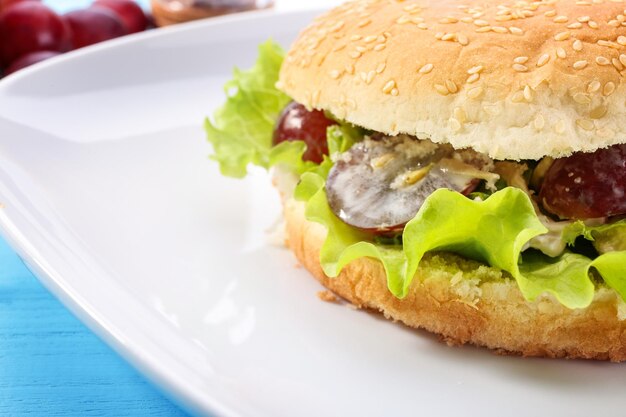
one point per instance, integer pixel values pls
(515, 80)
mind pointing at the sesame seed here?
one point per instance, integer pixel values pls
(381, 67)
(561, 36)
(600, 60)
(492, 110)
(316, 97)
(349, 69)
(543, 60)
(356, 37)
(592, 24)
(584, 19)
(598, 112)
(609, 88)
(417, 20)
(550, 13)
(475, 92)
(577, 45)
(614, 23)
(575, 25)
(439, 35)
(451, 86)
(560, 52)
(462, 39)
(622, 59)
(355, 54)
(475, 70)
(499, 29)
(370, 77)
(441, 89)
(605, 132)
(370, 39)
(363, 75)
(483, 29)
(422, 26)
(390, 85)
(617, 64)
(364, 23)
(395, 92)
(479, 22)
(580, 64)
(449, 37)
(460, 114)
(559, 127)
(455, 125)
(426, 68)
(539, 121)
(380, 46)
(504, 18)
(621, 40)
(581, 98)
(521, 60)
(594, 86)
(585, 124)
(515, 30)
(448, 19)
(528, 94)
(518, 97)
(560, 19)
(610, 44)
(361, 49)
(473, 78)
(520, 67)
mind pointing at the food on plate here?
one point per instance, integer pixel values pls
(460, 167)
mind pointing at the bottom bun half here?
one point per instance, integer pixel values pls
(465, 301)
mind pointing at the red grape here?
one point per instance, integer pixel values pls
(129, 11)
(30, 26)
(587, 185)
(94, 25)
(30, 59)
(298, 123)
(4, 4)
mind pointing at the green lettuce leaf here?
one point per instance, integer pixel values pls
(565, 277)
(493, 231)
(611, 267)
(241, 130)
(606, 238)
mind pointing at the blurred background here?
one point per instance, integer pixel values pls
(32, 31)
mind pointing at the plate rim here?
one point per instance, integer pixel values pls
(180, 393)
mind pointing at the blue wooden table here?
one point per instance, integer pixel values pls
(50, 363)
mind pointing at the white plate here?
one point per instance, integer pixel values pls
(110, 198)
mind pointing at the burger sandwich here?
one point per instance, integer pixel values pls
(459, 166)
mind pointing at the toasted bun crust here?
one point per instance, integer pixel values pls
(515, 80)
(467, 302)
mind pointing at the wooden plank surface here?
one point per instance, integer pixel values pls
(52, 365)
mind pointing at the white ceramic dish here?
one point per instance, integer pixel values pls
(109, 197)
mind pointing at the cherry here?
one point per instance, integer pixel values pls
(30, 59)
(94, 25)
(30, 26)
(298, 123)
(587, 185)
(131, 14)
(4, 4)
